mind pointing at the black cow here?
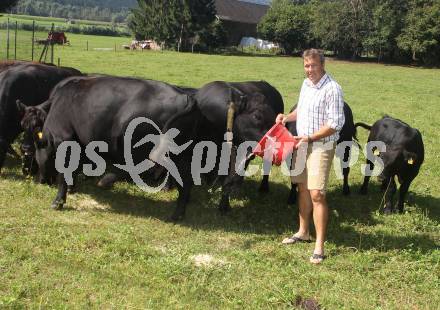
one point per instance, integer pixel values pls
(256, 105)
(31, 84)
(32, 123)
(86, 109)
(5, 65)
(347, 134)
(403, 157)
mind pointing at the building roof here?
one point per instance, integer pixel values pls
(240, 11)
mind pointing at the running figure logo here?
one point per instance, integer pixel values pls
(164, 145)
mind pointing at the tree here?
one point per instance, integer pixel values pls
(421, 34)
(386, 24)
(286, 23)
(214, 36)
(7, 4)
(171, 21)
(341, 25)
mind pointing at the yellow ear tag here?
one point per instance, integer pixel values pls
(376, 152)
(410, 161)
(40, 135)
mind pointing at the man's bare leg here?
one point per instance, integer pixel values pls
(305, 212)
(320, 219)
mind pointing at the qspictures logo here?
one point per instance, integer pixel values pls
(204, 157)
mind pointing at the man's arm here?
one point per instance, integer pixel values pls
(325, 131)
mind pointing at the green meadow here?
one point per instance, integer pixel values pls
(57, 22)
(116, 249)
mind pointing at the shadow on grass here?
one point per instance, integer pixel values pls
(269, 214)
(342, 230)
(263, 213)
(347, 236)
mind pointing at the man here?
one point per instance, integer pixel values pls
(319, 117)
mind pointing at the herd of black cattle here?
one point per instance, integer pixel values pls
(55, 104)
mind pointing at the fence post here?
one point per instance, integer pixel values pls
(7, 40)
(52, 44)
(59, 61)
(87, 45)
(15, 40)
(33, 39)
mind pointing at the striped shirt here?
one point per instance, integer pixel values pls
(319, 105)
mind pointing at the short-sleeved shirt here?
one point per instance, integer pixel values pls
(319, 105)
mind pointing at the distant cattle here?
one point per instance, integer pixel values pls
(403, 157)
(30, 83)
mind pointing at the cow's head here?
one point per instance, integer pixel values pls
(395, 160)
(32, 122)
(253, 118)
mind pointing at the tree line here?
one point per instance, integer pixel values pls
(178, 23)
(391, 30)
(115, 11)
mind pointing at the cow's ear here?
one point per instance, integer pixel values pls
(409, 157)
(21, 108)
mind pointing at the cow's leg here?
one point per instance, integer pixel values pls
(364, 187)
(72, 189)
(292, 194)
(231, 182)
(108, 180)
(403, 190)
(3, 150)
(184, 192)
(389, 195)
(224, 206)
(346, 170)
(60, 199)
(169, 185)
(264, 185)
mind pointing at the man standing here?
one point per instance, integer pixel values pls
(319, 117)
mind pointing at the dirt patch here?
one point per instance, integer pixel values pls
(84, 202)
(206, 260)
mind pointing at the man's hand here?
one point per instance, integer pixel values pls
(302, 140)
(280, 119)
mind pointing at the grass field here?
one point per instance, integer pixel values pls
(115, 249)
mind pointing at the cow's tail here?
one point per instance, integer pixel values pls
(363, 125)
(355, 138)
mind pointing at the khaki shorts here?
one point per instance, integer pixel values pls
(311, 165)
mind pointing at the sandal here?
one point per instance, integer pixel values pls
(317, 258)
(295, 239)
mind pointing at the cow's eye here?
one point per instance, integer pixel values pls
(257, 117)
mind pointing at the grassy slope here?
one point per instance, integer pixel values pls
(114, 248)
(58, 22)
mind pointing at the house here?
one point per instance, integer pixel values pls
(240, 18)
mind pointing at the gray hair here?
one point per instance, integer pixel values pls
(314, 53)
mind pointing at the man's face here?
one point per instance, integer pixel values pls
(313, 68)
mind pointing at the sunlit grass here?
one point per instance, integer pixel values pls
(112, 249)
